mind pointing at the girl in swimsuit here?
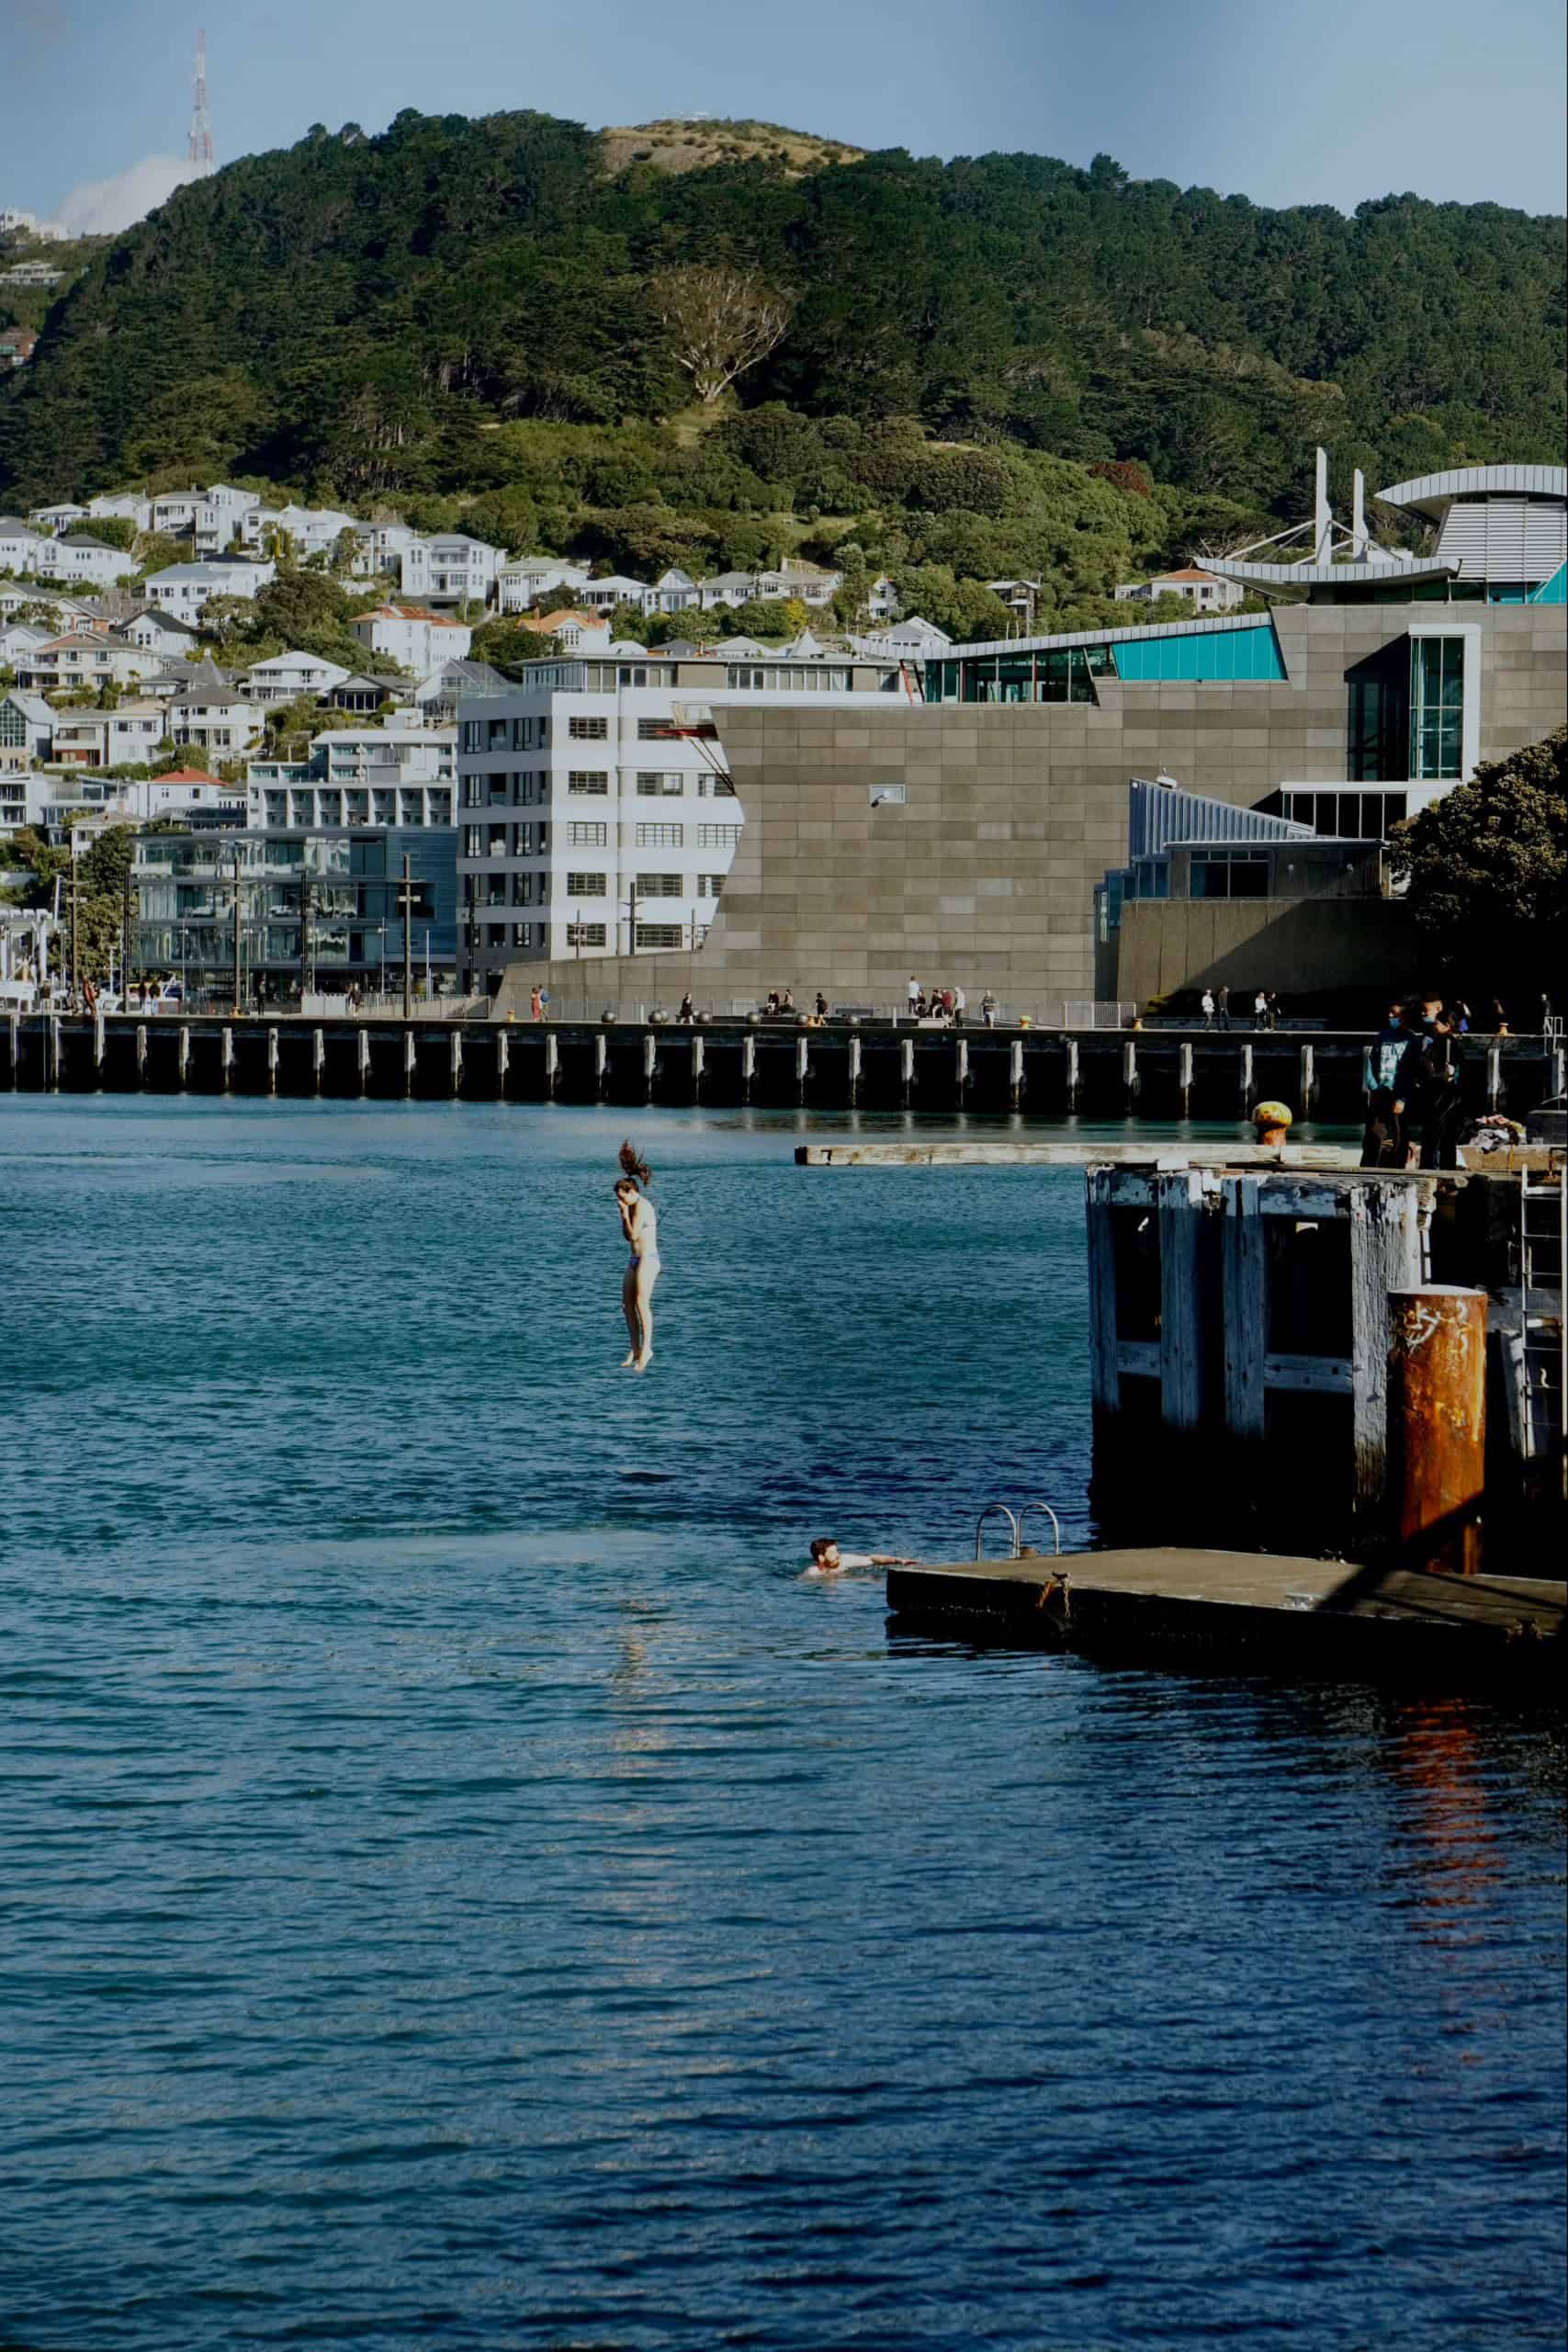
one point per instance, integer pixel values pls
(639, 1223)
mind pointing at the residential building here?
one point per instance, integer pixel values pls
(601, 596)
(570, 632)
(185, 588)
(17, 346)
(83, 659)
(596, 813)
(17, 639)
(215, 717)
(26, 728)
(363, 694)
(911, 640)
(808, 582)
(123, 505)
(86, 560)
(157, 631)
(367, 776)
(448, 568)
(1204, 591)
(883, 601)
(520, 584)
(104, 739)
(30, 273)
(1021, 597)
(57, 518)
(381, 549)
(437, 697)
(309, 530)
(964, 836)
(674, 590)
(413, 636)
(284, 677)
(316, 909)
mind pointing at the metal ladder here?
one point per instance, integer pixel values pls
(1015, 1521)
(1543, 1369)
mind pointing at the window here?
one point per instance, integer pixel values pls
(651, 786)
(658, 935)
(499, 792)
(522, 889)
(588, 780)
(709, 886)
(1229, 874)
(586, 836)
(521, 934)
(1437, 706)
(472, 734)
(1345, 816)
(472, 842)
(588, 730)
(661, 886)
(585, 935)
(718, 786)
(654, 730)
(660, 836)
(521, 841)
(718, 836)
(587, 885)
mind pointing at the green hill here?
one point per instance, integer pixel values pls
(510, 311)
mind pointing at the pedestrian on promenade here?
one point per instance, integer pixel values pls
(1273, 1009)
(1383, 1144)
(1260, 1011)
(987, 1011)
(821, 1006)
(913, 995)
(1206, 1007)
(960, 1006)
(1222, 1008)
(536, 1003)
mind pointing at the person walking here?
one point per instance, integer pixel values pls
(913, 994)
(1382, 1142)
(1260, 1011)
(536, 1003)
(1222, 1008)
(987, 1011)
(1206, 1007)
(960, 1006)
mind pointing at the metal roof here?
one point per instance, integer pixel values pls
(1432, 494)
(1218, 624)
(1385, 570)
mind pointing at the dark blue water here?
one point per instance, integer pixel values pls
(460, 1887)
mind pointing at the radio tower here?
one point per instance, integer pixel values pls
(199, 153)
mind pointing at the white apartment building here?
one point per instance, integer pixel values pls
(359, 776)
(415, 637)
(286, 676)
(595, 813)
(185, 589)
(449, 568)
(215, 718)
(520, 585)
(102, 739)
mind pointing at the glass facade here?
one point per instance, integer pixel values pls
(1437, 706)
(184, 895)
(1347, 816)
(1378, 716)
(1060, 673)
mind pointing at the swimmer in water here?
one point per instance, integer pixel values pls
(827, 1560)
(639, 1223)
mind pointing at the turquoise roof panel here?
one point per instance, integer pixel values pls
(1246, 654)
(1554, 591)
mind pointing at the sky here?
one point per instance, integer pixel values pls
(1329, 103)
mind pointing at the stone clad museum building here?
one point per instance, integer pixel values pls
(854, 829)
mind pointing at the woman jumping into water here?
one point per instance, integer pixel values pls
(639, 1223)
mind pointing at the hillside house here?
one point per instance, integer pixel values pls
(186, 589)
(413, 636)
(286, 676)
(1204, 591)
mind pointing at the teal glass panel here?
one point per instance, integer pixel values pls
(1437, 706)
(1554, 591)
(1505, 593)
(1247, 654)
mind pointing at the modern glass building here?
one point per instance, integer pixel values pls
(316, 908)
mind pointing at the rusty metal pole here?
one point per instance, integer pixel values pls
(1437, 1423)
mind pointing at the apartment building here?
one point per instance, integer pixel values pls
(359, 776)
(185, 588)
(597, 814)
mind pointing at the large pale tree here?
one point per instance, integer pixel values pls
(721, 322)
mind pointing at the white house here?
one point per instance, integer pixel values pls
(365, 775)
(83, 659)
(410, 634)
(159, 632)
(26, 728)
(807, 581)
(88, 560)
(17, 639)
(381, 547)
(123, 505)
(604, 595)
(883, 602)
(1204, 591)
(520, 585)
(215, 716)
(102, 739)
(287, 675)
(57, 518)
(674, 590)
(19, 544)
(186, 588)
(311, 530)
(912, 640)
(449, 568)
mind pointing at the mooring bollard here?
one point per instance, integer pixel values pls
(552, 1063)
(1307, 1081)
(362, 1047)
(601, 1065)
(226, 1058)
(696, 1070)
(411, 1059)
(185, 1052)
(650, 1065)
(1247, 1088)
(318, 1056)
(854, 1071)
(1437, 1423)
(1072, 1071)
(455, 1058)
(1493, 1075)
(906, 1068)
(802, 1066)
(1184, 1076)
(271, 1059)
(1130, 1079)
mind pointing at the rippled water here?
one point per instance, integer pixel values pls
(461, 1887)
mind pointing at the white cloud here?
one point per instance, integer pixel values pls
(99, 207)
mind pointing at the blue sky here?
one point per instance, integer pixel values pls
(1330, 102)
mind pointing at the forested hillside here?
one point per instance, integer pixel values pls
(514, 311)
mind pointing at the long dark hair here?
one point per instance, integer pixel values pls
(634, 1168)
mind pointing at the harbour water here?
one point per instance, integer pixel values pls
(462, 1887)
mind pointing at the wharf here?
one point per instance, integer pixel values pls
(1004, 1153)
(1336, 1617)
(844, 1063)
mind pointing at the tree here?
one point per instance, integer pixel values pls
(1487, 871)
(722, 321)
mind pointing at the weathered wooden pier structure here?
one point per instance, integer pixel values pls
(844, 1063)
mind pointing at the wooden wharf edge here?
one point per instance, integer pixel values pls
(1338, 1158)
(1271, 1609)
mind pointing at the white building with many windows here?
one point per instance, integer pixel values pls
(596, 815)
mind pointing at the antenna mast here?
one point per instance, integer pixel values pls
(199, 151)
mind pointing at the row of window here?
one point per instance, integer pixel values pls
(647, 885)
(536, 936)
(497, 788)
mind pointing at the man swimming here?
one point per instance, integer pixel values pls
(827, 1560)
